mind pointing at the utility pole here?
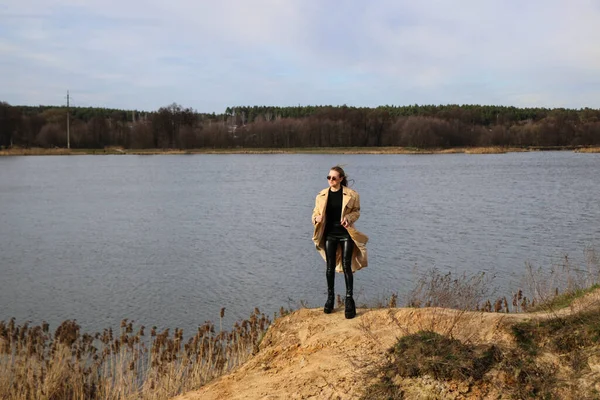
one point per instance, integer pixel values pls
(68, 139)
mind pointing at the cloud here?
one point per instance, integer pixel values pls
(208, 55)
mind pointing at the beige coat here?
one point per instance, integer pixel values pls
(350, 210)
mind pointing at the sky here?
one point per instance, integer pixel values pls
(208, 55)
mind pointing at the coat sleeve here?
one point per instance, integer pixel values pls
(316, 211)
(354, 213)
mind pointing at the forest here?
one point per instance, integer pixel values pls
(178, 127)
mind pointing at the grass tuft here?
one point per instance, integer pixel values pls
(429, 353)
(517, 373)
(553, 355)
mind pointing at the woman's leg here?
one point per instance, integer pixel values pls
(331, 246)
(347, 248)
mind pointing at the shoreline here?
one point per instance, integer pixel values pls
(37, 151)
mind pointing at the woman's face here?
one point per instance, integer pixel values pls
(334, 179)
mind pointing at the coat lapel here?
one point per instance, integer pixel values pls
(324, 195)
(345, 199)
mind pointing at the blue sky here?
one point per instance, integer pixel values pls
(143, 55)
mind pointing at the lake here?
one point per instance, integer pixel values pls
(168, 240)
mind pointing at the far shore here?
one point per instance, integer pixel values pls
(38, 151)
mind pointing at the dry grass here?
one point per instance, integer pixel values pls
(463, 292)
(588, 150)
(547, 357)
(34, 151)
(545, 289)
(58, 151)
(34, 364)
(551, 356)
(487, 150)
(553, 288)
(241, 150)
(17, 151)
(473, 370)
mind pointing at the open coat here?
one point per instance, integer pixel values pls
(350, 210)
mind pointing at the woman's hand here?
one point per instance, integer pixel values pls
(345, 222)
(318, 219)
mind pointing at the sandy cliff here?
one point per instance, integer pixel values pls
(308, 354)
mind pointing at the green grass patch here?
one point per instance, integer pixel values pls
(562, 300)
(435, 355)
(529, 370)
(429, 353)
(565, 335)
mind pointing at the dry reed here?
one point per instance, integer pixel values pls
(487, 150)
(545, 288)
(17, 151)
(465, 292)
(36, 364)
(588, 150)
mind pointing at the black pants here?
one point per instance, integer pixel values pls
(332, 241)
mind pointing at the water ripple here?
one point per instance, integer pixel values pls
(169, 240)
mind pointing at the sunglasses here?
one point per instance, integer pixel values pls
(332, 178)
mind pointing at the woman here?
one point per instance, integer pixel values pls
(343, 247)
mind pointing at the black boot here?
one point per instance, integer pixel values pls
(350, 308)
(349, 277)
(329, 303)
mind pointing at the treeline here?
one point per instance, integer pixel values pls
(422, 126)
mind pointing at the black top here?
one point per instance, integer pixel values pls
(333, 212)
